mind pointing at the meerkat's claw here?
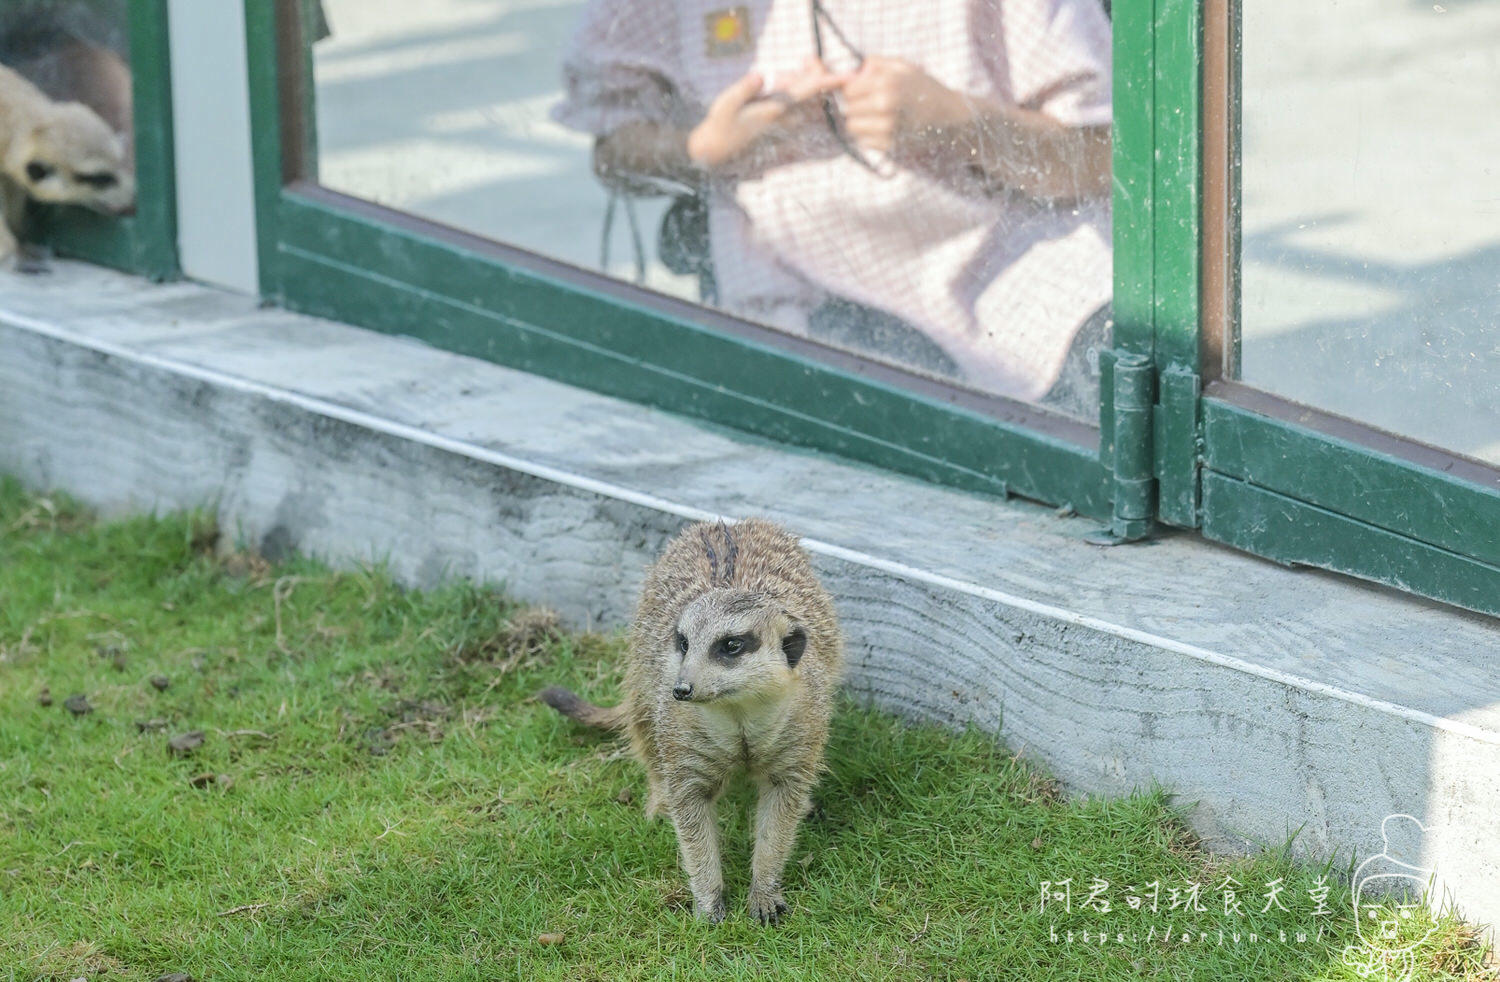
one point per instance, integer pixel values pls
(714, 911)
(33, 261)
(767, 907)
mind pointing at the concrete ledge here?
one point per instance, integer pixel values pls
(1275, 700)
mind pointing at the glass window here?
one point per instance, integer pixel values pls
(1370, 214)
(924, 181)
(73, 62)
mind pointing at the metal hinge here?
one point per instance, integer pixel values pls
(1148, 442)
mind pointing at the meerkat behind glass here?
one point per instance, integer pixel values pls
(59, 153)
(735, 656)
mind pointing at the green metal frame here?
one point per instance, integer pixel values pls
(1292, 484)
(1151, 379)
(1295, 486)
(144, 242)
(1301, 494)
(326, 254)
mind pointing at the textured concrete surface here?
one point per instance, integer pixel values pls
(1270, 700)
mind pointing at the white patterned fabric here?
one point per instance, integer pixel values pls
(1001, 282)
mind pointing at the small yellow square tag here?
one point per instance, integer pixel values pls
(728, 32)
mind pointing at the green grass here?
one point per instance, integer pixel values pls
(388, 802)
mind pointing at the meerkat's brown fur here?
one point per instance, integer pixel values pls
(58, 152)
(735, 657)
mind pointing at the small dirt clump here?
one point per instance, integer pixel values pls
(185, 743)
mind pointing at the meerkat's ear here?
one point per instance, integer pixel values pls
(794, 644)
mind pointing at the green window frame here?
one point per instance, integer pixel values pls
(1175, 444)
(1246, 468)
(145, 241)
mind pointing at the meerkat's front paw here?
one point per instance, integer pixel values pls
(711, 908)
(767, 905)
(33, 261)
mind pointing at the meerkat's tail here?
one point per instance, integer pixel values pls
(570, 705)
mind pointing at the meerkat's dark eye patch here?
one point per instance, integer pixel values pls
(736, 645)
(682, 644)
(793, 645)
(101, 180)
(38, 171)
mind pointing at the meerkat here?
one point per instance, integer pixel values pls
(60, 153)
(735, 656)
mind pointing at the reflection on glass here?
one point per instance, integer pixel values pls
(1371, 213)
(925, 181)
(66, 125)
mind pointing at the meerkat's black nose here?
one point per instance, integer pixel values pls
(682, 690)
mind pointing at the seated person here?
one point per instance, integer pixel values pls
(944, 164)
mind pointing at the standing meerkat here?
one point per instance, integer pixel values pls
(735, 656)
(57, 152)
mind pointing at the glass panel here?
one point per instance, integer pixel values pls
(1370, 213)
(933, 192)
(70, 140)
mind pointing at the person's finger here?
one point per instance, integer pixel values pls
(808, 86)
(740, 92)
(762, 112)
(870, 102)
(814, 66)
(823, 69)
(870, 126)
(810, 72)
(861, 83)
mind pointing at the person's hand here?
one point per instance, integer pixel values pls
(890, 104)
(742, 116)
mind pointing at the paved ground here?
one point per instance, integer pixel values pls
(1371, 182)
(440, 108)
(1372, 213)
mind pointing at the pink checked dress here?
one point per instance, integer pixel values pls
(1001, 282)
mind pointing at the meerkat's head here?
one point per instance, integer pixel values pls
(734, 645)
(72, 157)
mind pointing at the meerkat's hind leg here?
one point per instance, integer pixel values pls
(693, 814)
(783, 800)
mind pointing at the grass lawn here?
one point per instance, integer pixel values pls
(377, 796)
